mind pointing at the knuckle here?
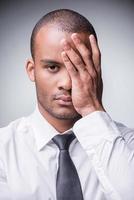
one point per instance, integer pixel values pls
(88, 79)
(85, 78)
(94, 75)
(66, 59)
(77, 61)
(87, 54)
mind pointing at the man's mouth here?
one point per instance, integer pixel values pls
(64, 100)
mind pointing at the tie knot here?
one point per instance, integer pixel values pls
(63, 141)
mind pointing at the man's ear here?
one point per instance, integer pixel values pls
(30, 68)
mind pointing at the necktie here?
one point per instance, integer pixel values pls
(67, 184)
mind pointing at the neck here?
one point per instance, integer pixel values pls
(61, 125)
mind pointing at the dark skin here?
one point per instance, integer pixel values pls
(67, 73)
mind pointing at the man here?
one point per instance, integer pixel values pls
(98, 162)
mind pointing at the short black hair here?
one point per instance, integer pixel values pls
(67, 20)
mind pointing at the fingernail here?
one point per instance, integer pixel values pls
(65, 44)
(92, 37)
(75, 37)
(64, 56)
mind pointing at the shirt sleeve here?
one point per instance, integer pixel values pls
(4, 189)
(110, 149)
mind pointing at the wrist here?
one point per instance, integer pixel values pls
(90, 109)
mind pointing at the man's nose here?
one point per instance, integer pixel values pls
(65, 81)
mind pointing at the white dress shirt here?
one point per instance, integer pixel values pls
(103, 153)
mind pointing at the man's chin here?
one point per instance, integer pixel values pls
(66, 116)
(62, 112)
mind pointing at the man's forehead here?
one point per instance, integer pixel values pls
(48, 42)
(52, 34)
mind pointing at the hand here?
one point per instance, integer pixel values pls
(84, 68)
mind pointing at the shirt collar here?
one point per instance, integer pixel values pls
(43, 131)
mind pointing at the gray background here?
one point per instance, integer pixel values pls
(114, 23)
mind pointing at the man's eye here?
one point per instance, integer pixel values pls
(53, 68)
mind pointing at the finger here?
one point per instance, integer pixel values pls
(85, 52)
(95, 53)
(70, 68)
(74, 57)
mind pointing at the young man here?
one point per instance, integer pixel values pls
(98, 161)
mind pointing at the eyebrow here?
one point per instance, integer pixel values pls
(48, 61)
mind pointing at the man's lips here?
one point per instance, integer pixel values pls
(64, 100)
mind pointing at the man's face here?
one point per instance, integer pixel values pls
(53, 83)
